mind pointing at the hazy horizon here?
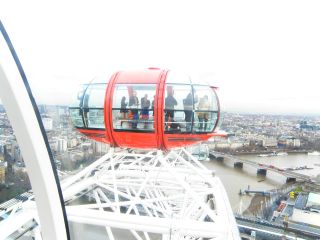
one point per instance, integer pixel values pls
(222, 112)
(263, 56)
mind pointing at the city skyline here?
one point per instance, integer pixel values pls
(264, 57)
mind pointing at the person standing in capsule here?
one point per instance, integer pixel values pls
(145, 104)
(188, 107)
(133, 104)
(203, 116)
(123, 109)
(170, 102)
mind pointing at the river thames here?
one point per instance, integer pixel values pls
(236, 179)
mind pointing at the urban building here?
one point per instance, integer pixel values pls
(62, 145)
(47, 123)
(307, 209)
(2, 172)
(270, 142)
(290, 142)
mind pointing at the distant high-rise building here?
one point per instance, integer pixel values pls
(1, 148)
(62, 111)
(2, 172)
(53, 144)
(289, 141)
(269, 142)
(72, 142)
(47, 123)
(17, 156)
(99, 148)
(2, 110)
(304, 125)
(42, 109)
(62, 145)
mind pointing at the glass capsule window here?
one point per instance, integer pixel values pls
(133, 107)
(93, 105)
(178, 108)
(204, 121)
(205, 109)
(88, 109)
(189, 109)
(75, 109)
(76, 117)
(79, 96)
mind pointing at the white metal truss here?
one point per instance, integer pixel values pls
(169, 194)
(150, 195)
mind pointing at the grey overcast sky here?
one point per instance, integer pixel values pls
(263, 55)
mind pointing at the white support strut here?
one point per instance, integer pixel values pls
(147, 195)
(23, 119)
(169, 194)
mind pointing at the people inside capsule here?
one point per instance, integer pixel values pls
(188, 108)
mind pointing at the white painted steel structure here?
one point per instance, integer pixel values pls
(152, 195)
(173, 195)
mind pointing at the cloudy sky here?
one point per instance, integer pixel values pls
(263, 55)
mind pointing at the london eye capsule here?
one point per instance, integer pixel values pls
(152, 108)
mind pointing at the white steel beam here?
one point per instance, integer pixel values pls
(144, 223)
(27, 130)
(160, 194)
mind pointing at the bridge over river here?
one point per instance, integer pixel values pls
(261, 168)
